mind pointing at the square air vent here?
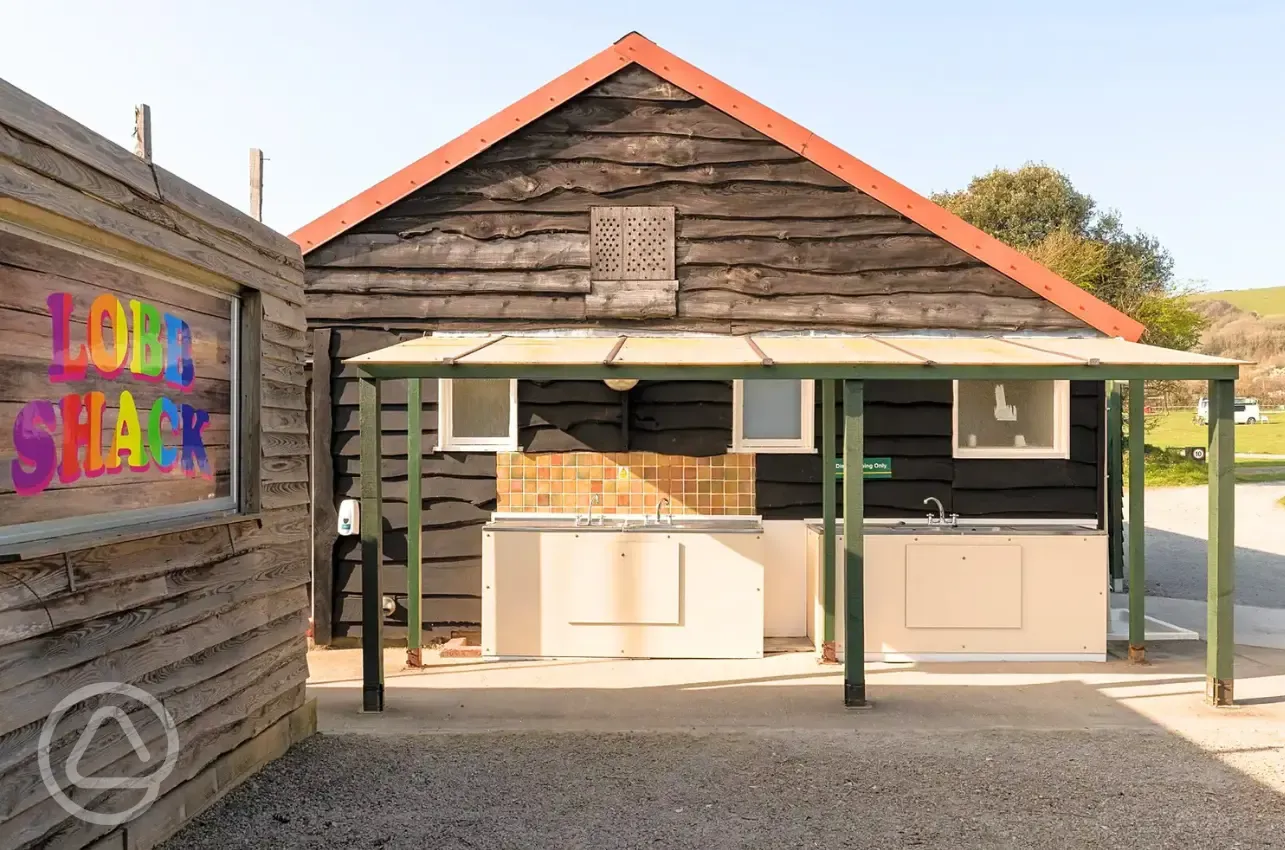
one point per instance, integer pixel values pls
(631, 243)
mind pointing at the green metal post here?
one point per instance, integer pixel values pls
(829, 497)
(414, 527)
(854, 581)
(1115, 485)
(1221, 643)
(372, 550)
(1137, 524)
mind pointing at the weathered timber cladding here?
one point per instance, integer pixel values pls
(207, 614)
(910, 422)
(765, 238)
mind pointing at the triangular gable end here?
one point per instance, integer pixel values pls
(634, 48)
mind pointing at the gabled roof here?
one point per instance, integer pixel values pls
(635, 49)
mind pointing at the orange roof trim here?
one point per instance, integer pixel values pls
(634, 48)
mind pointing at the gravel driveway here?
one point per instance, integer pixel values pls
(1177, 531)
(1003, 788)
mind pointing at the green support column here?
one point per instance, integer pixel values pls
(1221, 644)
(414, 527)
(829, 496)
(372, 551)
(1115, 485)
(854, 581)
(1137, 524)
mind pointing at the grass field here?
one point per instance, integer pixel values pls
(1172, 430)
(1265, 302)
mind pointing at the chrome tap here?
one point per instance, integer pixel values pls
(594, 499)
(941, 511)
(659, 504)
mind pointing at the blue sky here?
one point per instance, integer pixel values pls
(1173, 112)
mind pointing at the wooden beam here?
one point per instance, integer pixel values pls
(889, 372)
(828, 513)
(250, 403)
(1115, 486)
(1220, 636)
(256, 184)
(1137, 523)
(372, 552)
(143, 132)
(324, 517)
(414, 530)
(854, 582)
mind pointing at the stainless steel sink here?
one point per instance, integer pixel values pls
(711, 525)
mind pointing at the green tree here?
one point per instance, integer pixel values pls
(1038, 211)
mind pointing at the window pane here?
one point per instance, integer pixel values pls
(480, 408)
(1007, 414)
(772, 410)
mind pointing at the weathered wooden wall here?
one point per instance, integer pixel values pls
(764, 237)
(910, 422)
(208, 615)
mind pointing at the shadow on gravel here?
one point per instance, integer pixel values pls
(961, 758)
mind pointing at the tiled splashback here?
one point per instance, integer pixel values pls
(627, 482)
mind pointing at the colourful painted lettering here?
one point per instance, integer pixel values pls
(148, 360)
(109, 359)
(33, 437)
(194, 460)
(163, 456)
(128, 438)
(63, 366)
(76, 434)
(180, 371)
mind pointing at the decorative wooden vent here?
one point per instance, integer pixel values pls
(631, 261)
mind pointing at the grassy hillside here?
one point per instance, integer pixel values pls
(1265, 302)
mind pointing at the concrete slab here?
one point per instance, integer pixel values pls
(1254, 625)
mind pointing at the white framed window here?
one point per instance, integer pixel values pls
(1012, 419)
(477, 414)
(773, 416)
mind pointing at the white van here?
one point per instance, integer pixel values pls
(1244, 411)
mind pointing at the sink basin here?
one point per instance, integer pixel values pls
(720, 525)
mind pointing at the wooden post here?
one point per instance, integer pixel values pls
(324, 516)
(143, 132)
(372, 549)
(256, 184)
(829, 497)
(1221, 643)
(1137, 523)
(414, 525)
(1115, 485)
(854, 583)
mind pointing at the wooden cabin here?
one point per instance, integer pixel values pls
(637, 194)
(153, 489)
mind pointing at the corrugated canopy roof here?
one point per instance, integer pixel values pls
(678, 356)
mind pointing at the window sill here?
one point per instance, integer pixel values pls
(773, 450)
(475, 449)
(93, 539)
(1010, 454)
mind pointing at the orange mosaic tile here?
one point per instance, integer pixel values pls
(625, 482)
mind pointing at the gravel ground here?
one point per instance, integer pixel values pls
(1177, 531)
(1109, 788)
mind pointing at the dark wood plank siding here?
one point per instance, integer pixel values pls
(764, 238)
(910, 421)
(458, 496)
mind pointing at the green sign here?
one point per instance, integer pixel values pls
(871, 467)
